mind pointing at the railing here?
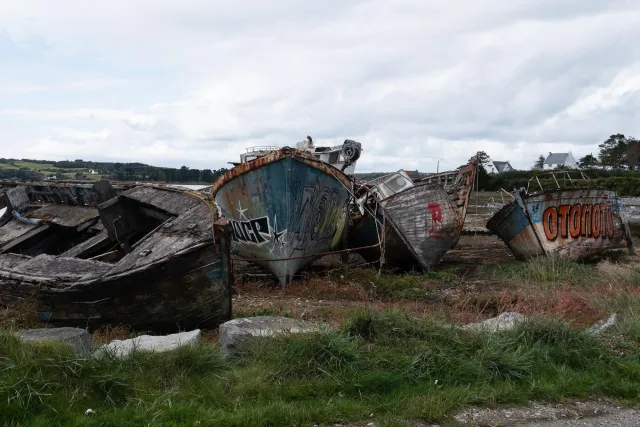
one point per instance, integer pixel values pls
(565, 176)
(261, 148)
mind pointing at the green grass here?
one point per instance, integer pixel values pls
(36, 166)
(381, 363)
(540, 270)
(405, 286)
(48, 169)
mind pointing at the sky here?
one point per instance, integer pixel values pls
(417, 82)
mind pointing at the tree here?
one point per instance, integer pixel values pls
(206, 175)
(483, 158)
(589, 161)
(539, 164)
(632, 154)
(613, 151)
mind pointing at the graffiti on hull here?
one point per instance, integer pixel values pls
(436, 221)
(258, 231)
(588, 220)
(317, 215)
(440, 226)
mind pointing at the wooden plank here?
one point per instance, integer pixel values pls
(89, 247)
(28, 235)
(65, 216)
(173, 202)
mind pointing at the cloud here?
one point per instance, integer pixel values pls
(415, 82)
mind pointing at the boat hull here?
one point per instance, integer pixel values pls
(285, 210)
(575, 224)
(150, 299)
(172, 276)
(420, 224)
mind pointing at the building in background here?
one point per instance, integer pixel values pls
(555, 160)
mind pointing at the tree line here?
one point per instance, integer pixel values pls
(108, 170)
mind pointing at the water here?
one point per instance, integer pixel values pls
(190, 187)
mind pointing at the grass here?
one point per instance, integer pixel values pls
(36, 166)
(49, 169)
(400, 365)
(384, 366)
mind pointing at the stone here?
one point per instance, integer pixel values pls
(78, 339)
(157, 344)
(602, 325)
(235, 333)
(503, 322)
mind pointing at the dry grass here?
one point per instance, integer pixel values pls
(20, 315)
(575, 292)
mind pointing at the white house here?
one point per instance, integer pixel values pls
(93, 172)
(499, 167)
(555, 160)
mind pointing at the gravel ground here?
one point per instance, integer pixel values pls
(576, 414)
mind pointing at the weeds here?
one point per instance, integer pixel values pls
(385, 363)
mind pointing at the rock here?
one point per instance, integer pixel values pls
(237, 332)
(503, 322)
(77, 338)
(602, 325)
(158, 344)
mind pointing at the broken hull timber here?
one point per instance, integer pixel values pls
(575, 224)
(145, 299)
(421, 223)
(285, 209)
(172, 276)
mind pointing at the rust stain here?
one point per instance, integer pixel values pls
(274, 156)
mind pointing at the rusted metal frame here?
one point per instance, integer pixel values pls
(502, 192)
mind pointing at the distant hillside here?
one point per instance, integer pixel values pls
(87, 170)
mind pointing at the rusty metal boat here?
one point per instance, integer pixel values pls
(406, 224)
(286, 208)
(569, 221)
(92, 255)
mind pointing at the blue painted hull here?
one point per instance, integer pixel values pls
(571, 223)
(284, 211)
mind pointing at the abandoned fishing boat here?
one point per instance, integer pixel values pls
(88, 256)
(286, 208)
(406, 224)
(569, 221)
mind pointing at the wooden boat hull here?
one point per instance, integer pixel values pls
(172, 274)
(575, 224)
(186, 292)
(421, 224)
(285, 210)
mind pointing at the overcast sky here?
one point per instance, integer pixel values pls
(194, 82)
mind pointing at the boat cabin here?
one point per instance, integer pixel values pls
(337, 156)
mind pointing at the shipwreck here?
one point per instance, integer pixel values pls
(406, 224)
(97, 254)
(287, 207)
(571, 220)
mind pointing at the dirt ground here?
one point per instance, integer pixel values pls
(328, 290)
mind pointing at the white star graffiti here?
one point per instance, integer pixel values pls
(241, 211)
